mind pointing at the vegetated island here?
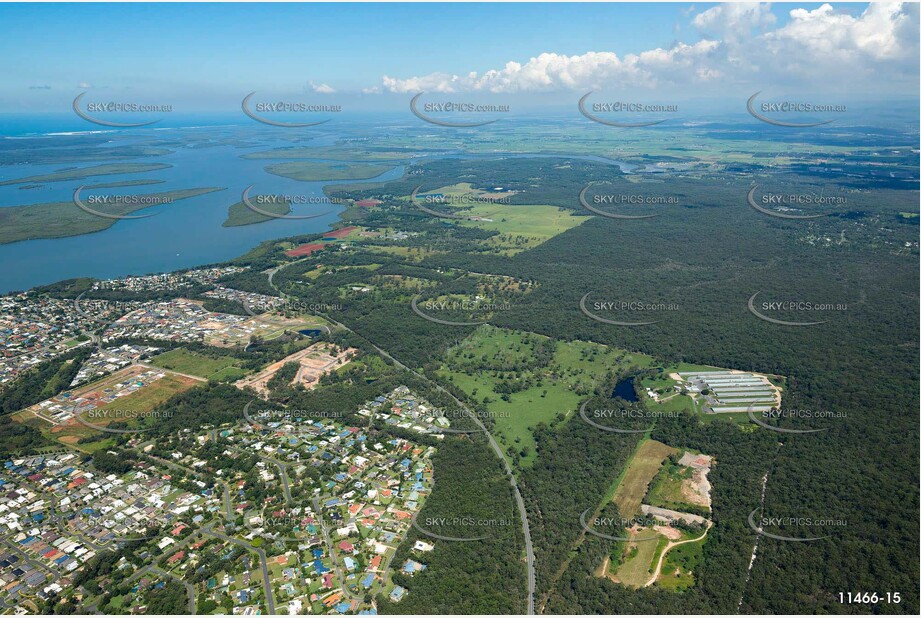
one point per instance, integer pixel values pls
(126, 183)
(332, 153)
(240, 214)
(62, 219)
(77, 173)
(312, 171)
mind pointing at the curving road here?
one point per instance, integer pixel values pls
(667, 549)
(264, 561)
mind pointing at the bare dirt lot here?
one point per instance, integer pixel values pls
(314, 361)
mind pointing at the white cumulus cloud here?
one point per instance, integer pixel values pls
(739, 44)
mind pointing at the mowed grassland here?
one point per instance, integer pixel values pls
(634, 568)
(185, 361)
(642, 468)
(491, 356)
(143, 400)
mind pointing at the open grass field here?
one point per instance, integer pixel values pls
(186, 361)
(635, 569)
(146, 399)
(666, 490)
(521, 227)
(139, 403)
(679, 565)
(642, 468)
(489, 356)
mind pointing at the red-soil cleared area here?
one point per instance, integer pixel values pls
(303, 250)
(367, 203)
(340, 233)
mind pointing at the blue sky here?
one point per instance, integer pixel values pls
(206, 54)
